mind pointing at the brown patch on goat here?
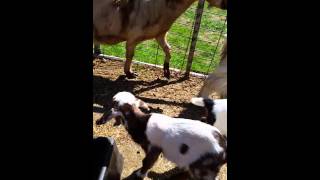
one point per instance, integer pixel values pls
(221, 139)
(137, 124)
(208, 165)
(184, 148)
(211, 163)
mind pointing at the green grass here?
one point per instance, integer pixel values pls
(208, 49)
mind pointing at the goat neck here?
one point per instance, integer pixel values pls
(136, 124)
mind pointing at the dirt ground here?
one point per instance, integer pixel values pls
(170, 97)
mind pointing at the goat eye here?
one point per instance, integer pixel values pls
(114, 104)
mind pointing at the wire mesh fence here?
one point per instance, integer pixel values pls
(212, 32)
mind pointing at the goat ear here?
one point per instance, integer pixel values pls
(198, 101)
(142, 104)
(107, 116)
(126, 108)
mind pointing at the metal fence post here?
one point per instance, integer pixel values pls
(196, 28)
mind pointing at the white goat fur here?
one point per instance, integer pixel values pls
(169, 133)
(126, 97)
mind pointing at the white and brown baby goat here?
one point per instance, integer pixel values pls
(216, 112)
(192, 145)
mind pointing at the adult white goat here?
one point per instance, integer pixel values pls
(135, 21)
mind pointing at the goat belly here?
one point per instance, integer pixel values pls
(182, 141)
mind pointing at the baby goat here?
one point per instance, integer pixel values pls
(191, 145)
(216, 112)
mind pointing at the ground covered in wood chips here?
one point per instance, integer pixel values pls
(170, 97)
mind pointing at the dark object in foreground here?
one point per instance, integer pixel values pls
(107, 160)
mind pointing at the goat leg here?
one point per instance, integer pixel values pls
(130, 47)
(166, 71)
(131, 75)
(97, 52)
(162, 41)
(147, 163)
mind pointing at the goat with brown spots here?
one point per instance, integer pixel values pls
(194, 146)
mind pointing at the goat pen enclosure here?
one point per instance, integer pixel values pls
(170, 97)
(212, 32)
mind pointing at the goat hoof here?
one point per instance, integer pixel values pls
(131, 75)
(166, 71)
(118, 122)
(167, 75)
(100, 122)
